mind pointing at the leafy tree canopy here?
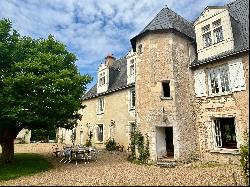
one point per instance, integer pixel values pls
(40, 85)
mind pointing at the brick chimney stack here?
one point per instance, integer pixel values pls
(109, 59)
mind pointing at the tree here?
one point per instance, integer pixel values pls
(40, 86)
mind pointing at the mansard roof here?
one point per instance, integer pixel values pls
(239, 12)
(167, 19)
(117, 79)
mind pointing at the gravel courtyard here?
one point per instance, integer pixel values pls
(114, 169)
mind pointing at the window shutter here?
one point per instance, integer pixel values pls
(200, 84)
(236, 71)
(217, 130)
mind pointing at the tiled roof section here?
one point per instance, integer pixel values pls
(239, 12)
(167, 19)
(117, 77)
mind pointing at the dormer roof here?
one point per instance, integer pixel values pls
(117, 79)
(239, 16)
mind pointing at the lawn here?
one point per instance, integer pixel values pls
(24, 164)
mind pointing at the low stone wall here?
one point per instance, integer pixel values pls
(43, 148)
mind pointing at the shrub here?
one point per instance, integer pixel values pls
(138, 145)
(110, 144)
(89, 140)
(244, 153)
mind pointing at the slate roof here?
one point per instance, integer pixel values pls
(167, 19)
(117, 79)
(239, 12)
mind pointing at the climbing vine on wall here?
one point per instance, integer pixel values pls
(139, 147)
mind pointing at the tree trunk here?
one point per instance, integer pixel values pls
(7, 142)
(7, 150)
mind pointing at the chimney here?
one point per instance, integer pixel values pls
(109, 60)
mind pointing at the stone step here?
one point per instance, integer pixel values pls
(165, 163)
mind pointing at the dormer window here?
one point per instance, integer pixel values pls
(102, 79)
(207, 40)
(217, 30)
(132, 67)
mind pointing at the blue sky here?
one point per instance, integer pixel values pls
(93, 28)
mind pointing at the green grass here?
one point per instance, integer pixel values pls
(24, 164)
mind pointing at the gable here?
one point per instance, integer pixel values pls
(208, 13)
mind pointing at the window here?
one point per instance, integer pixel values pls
(207, 41)
(140, 49)
(166, 89)
(99, 132)
(224, 133)
(81, 137)
(218, 81)
(101, 105)
(132, 67)
(102, 79)
(132, 127)
(218, 35)
(132, 98)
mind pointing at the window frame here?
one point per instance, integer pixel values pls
(100, 102)
(217, 73)
(102, 79)
(219, 132)
(98, 130)
(132, 99)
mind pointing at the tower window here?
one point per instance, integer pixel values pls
(166, 88)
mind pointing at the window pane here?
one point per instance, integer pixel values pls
(166, 89)
(224, 80)
(218, 35)
(132, 95)
(100, 133)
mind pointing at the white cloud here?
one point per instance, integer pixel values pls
(93, 28)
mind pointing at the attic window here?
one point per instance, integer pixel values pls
(140, 49)
(132, 67)
(102, 79)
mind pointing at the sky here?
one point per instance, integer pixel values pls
(91, 29)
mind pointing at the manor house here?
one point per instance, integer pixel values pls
(184, 84)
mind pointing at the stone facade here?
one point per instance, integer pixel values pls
(234, 105)
(166, 57)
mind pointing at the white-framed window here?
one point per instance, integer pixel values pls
(207, 40)
(218, 81)
(100, 104)
(99, 132)
(132, 99)
(132, 67)
(218, 35)
(224, 133)
(102, 79)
